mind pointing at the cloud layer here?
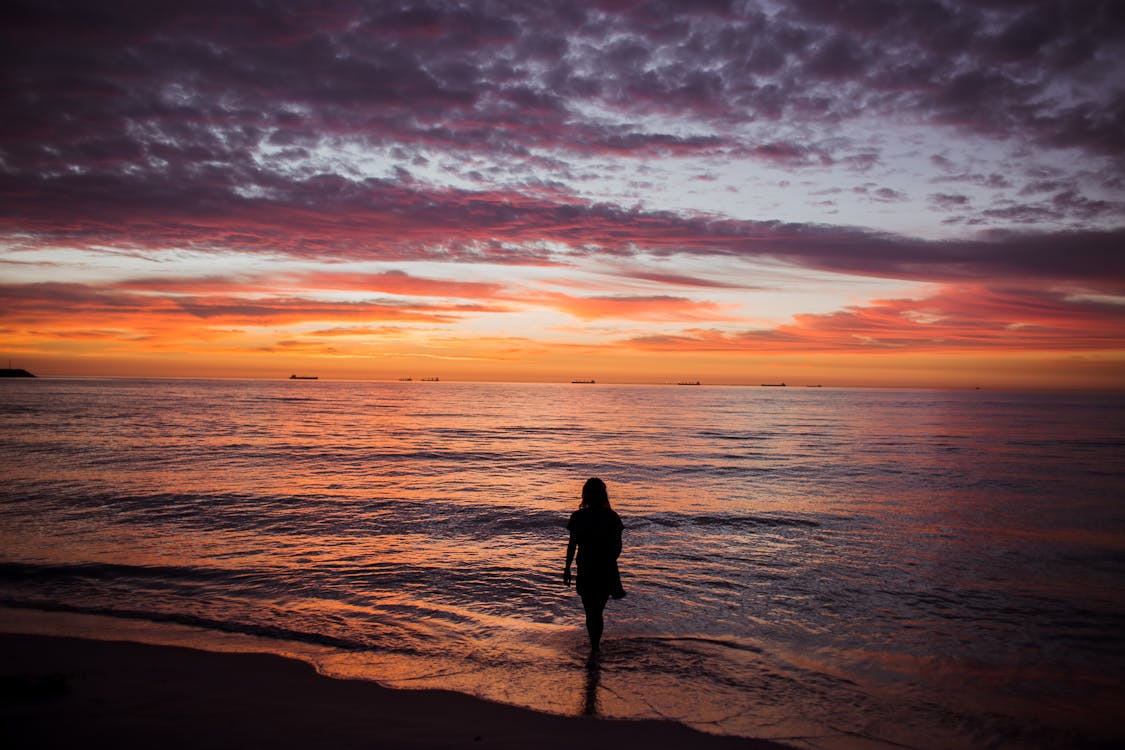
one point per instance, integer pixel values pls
(351, 141)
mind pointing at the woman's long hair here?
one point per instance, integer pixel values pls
(594, 494)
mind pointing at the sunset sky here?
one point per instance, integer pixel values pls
(878, 192)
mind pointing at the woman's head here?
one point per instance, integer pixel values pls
(594, 494)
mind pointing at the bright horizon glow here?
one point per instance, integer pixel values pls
(743, 193)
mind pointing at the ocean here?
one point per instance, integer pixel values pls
(832, 568)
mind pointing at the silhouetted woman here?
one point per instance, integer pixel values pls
(595, 532)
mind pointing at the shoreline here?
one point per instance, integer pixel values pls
(58, 691)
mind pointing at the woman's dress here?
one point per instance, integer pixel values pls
(597, 532)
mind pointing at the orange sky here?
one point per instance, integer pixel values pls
(959, 336)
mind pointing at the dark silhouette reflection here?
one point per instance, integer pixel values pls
(595, 533)
(593, 679)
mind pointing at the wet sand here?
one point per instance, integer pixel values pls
(74, 693)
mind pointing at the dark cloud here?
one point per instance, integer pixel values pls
(102, 83)
(790, 154)
(1066, 205)
(62, 303)
(684, 280)
(949, 201)
(887, 195)
(332, 218)
(196, 124)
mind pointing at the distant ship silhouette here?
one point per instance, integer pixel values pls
(304, 377)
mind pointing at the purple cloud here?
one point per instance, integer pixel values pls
(117, 80)
(199, 124)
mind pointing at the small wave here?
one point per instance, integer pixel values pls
(179, 618)
(734, 436)
(715, 470)
(290, 399)
(105, 571)
(746, 522)
(710, 641)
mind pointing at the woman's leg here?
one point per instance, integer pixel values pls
(595, 622)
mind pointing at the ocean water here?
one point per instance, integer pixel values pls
(834, 568)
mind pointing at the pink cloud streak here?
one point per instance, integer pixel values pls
(955, 319)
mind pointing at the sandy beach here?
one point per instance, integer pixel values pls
(68, 692)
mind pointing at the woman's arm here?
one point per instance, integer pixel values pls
(570, 547)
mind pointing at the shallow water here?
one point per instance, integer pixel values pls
(833, 567)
